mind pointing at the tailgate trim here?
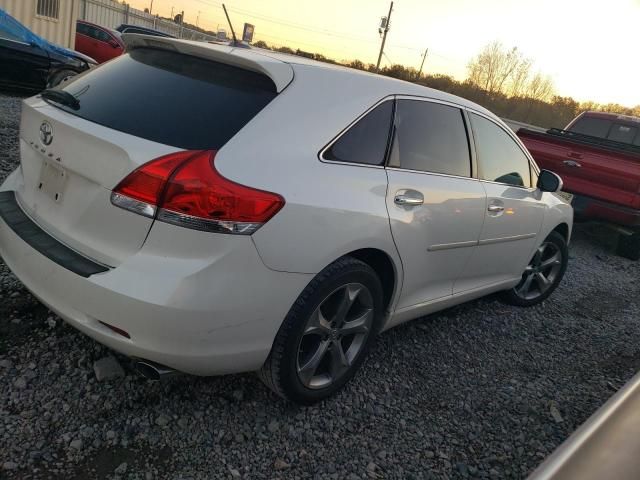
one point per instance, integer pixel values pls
(41, 241)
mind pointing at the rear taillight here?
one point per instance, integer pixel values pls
(185, 189)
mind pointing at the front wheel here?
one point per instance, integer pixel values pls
(326, 334)
(543, 274)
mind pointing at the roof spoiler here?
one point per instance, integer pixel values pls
(279, 72)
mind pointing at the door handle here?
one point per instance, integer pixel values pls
(572, 163)
(410, 198)
(495, 208)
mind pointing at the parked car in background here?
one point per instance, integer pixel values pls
(98, 42)
(271, 213)
(598, 157)
(29, 62)
(126, 28)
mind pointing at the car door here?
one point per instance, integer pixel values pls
(436, 207)
(514, 212)
(92, 42)
(22, 62)
(84, 42)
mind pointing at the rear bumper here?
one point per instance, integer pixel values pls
(592, 209)
(200, 303)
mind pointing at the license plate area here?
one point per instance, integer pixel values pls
(566, 196)
(52, 180)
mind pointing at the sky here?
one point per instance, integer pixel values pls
(588, 47)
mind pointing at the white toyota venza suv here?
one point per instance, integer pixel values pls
(214, 210)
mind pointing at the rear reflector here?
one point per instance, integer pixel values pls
(117, 330)
(185, 189)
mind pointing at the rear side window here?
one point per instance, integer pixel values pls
(169, 98)
(500, 158)
(596, 127)
(622, 133)
(366, 141)
(430, 137)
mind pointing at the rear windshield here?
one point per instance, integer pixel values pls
(170, 98)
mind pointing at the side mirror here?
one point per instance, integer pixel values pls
(549, 182)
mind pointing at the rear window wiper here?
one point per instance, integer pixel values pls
(61, 97)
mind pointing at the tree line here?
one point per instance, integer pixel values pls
(500, 79)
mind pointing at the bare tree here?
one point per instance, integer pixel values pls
(495, 68)
(520, 78)
(540, 88)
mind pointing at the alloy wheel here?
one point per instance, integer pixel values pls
(541, 273)
(334, 335)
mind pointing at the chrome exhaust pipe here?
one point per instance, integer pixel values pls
(153, 371)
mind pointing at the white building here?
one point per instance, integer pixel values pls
(54, 20)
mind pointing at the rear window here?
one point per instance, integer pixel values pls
(170, 98)
(622, 133)
(366, 141)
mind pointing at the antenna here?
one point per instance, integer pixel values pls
(233, 33)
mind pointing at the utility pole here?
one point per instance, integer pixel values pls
(151, 8)
(172, 12)
(422, 64)
(198, 18)
(384, 36)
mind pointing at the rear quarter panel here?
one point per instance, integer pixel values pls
(330, 209)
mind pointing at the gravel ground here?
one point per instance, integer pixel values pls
(479, 391)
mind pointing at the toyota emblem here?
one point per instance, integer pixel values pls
(46, 133)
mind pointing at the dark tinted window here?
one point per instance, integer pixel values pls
(622, 133)
(170, 98)
(430, 137)
(500, 158)
(366, 141)
(596, 127)
(102, 35)
(82, 28)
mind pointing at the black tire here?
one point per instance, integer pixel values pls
(280, 371)
(512, 297)
(58, 77)
(629, 246)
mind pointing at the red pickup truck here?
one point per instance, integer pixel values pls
(598, 157)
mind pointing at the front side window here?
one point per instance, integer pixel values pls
(430, 137)
(500, 158)
(366, 141)
(48, 8)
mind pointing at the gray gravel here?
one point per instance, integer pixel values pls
(479, 391)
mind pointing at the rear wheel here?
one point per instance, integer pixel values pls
(326, 334)
(543, 274)
(629, 246)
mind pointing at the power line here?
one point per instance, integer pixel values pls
(311, 28)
